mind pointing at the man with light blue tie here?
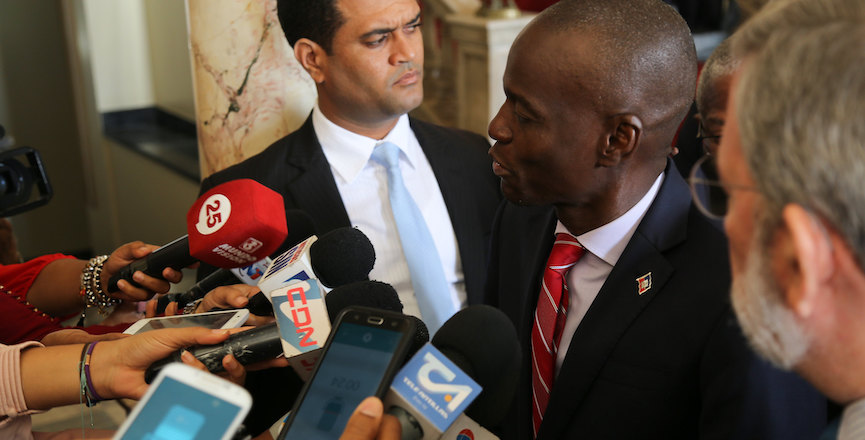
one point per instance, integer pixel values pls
(366, 58)
(428, 208)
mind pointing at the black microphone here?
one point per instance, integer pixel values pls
(264, 342)
(342, 256)
(174, 255)
(219, 277)
(482, 342)
(375, 294)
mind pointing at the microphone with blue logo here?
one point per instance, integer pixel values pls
(464, 380)
(339, 257)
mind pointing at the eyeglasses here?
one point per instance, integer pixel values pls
(709, 193)
(709, 143)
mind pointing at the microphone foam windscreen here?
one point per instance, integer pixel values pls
(375, 294)
(482, 341)
(342, 256)
(421, 336)
(236, 223)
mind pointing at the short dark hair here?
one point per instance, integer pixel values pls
(645, 48)
(317, 20)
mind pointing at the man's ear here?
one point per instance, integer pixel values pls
(312, 57)
(802, 259)
(621, 140)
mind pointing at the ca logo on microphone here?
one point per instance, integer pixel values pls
(213, 214)
(454, 394)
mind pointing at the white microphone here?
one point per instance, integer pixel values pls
(339, 257)
(374, 294)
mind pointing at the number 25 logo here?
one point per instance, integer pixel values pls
(454, 394)
(213, 214)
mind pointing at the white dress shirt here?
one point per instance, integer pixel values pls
(362, 184)
(604, 246)
(852, 425)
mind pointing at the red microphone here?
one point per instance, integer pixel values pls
(233, 225)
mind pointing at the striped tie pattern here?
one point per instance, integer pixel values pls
(550, 316)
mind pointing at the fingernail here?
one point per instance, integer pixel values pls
(230, 361)
(186, 356)
(370, 407)
(219, 331)
(138, 276)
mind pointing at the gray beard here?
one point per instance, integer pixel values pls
(771, 328)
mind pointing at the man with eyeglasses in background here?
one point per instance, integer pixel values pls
(792, 162)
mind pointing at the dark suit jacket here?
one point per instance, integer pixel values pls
(668, 364)
(295, 166)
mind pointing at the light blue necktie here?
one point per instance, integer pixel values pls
(427, 276)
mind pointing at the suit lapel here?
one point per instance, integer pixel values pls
(619, 303)
(314, 189)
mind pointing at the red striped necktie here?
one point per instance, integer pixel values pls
(550, 316)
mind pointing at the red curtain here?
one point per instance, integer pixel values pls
(534, 5)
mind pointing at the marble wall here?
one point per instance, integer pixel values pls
(249, 89)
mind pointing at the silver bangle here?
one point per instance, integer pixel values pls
(91, 285)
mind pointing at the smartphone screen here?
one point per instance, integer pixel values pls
(209, 320)
(357, 363)
(178, 411)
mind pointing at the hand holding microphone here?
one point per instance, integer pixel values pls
(339, 257)
(144, 286)
(264, 342)
(233, 225)
(300, 227)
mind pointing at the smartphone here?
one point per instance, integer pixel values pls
(220, 319)
(185, 403)
(362, 354)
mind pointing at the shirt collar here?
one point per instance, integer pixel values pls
(348, 152)
(608, 242)
(852, 420)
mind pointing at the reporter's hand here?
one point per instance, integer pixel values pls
(232, 297)
(126, 254)
(150, 308)
(76, 336)
(369, 422)
(118, 366)
(234, 372)
(75, 434)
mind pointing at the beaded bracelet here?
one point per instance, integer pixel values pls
(88, 392)
(91, 286)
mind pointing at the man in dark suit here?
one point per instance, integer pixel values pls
(616, 283)
(366, 58)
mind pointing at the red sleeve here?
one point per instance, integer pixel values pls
(17, 278)
(20, 321)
